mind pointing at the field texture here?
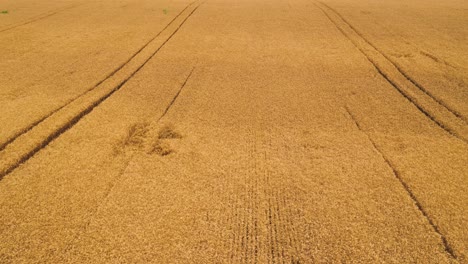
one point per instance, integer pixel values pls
(222, 131)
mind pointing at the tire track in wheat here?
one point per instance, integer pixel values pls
(25, 130)
(19, 158)
(404, 73)
(408, 88)
(448, 248)
(39, 17)
(129, 155)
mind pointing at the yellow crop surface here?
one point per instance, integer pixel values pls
(222, 131)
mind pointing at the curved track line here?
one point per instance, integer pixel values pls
(448, 248)
(62, 128)
(404, 73)
(121, 173)
(4, 144)
(433, 57)
(39, 17)
(388, 78)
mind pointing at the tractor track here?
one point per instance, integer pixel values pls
(40, 120)
(404, 73)
(121, 173)
(169, 106)
(440, 115)
(14, 154)
(448, 248)
(39, 17)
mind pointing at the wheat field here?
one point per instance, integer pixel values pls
(222, 131)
